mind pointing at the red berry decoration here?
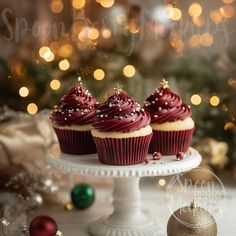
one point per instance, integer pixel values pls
(180, 156)
(146, 161)
(43, 226)
(156, 156)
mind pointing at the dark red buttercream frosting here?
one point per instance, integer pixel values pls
(165, 106)
(75, 108)
(120, 113)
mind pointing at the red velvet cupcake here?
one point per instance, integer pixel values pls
(72, 119)
(170, 120)
(122, 132)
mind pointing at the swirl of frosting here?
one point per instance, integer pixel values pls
(120, 113)
(165, 106)
(75, 108)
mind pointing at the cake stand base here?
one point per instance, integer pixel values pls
(101, 228)
(127, 218)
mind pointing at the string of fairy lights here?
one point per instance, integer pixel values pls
(89, 35)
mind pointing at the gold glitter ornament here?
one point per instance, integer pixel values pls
(191, 221)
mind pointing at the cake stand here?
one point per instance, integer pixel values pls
(127, 218)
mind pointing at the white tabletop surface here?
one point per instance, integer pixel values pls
(74, 223)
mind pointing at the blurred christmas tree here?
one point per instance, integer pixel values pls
(107, 41)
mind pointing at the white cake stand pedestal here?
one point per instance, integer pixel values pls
(127, 218)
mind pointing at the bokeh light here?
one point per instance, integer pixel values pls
(229, 126)
(64, 64)
(194, 41)
(214, 101)
(177, 43)
(93, 33)
(162, 182)
(196, 99)
(232, 83)
(106, 33)
(216, 17)
(227, 1)
(32, 108)
(195, 10)
(83, 34)
(19, 69)
(99, 74)
(168, 11)
(121, 19)
(49, 56)
(198, 21)
(129, 71)
(177, 14)
(106, 3)
(24, 92)
(54, 46)
(56, 6)
(206, 39)
(43, 50)
(227, 11)
(55, 84)
(133, 27)
(46, 53)
(78, 4)
(65, 50)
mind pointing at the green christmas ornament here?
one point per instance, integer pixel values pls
(82, 196)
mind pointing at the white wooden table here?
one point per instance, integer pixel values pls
(75, 223)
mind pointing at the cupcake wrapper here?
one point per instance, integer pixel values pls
(170, 142)
(122, 152)
(75, 142)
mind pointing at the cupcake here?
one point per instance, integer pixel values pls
(171, 121)
(121, 131)
(71, 120)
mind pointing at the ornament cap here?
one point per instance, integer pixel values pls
(193, 204)
(164, 84)
(79, 80)
(69, 206)
(118, 88)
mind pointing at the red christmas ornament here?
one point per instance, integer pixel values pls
(43, 226)
(180, 156)
(156, 156)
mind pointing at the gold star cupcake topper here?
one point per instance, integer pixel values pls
(80, 80)
(164, 84)
(118, 88)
